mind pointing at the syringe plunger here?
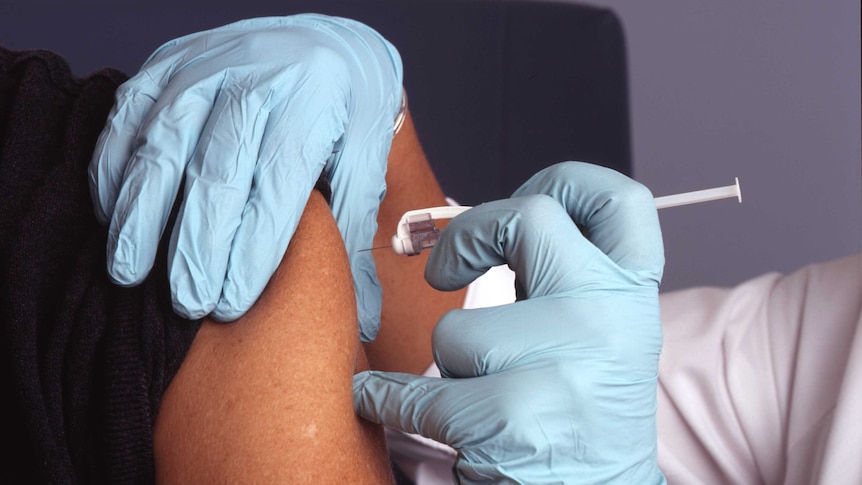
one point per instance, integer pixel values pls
(700, 196)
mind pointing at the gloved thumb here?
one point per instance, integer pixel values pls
(405, 402)
(618, 213)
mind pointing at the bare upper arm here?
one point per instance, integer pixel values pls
(268, 398)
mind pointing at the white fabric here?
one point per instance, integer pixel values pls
(762, 383)
(758, 384)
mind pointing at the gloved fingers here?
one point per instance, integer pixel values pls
(160, 83)
(151, 182)
(533, 234)
(298, 139)
(602, 336)
(259, 245)
(217, 185)
(485, 341)
(357, 172)
(369, 294)
(113, 151)
(358, 184)
(618, 213)
(416, 404)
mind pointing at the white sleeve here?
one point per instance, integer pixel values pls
(761, 383)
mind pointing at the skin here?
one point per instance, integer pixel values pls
(268, 398)
(246, 404)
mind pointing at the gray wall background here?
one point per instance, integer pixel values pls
(764, 90)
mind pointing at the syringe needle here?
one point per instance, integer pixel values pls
(372, 249)
(700, 196)
(405, 231)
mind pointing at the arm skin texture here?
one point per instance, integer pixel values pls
(268, 398)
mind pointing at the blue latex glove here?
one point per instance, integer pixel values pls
(560, 386)
(248, 114)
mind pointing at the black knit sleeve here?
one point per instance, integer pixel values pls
(83, 363)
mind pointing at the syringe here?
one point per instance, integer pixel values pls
(417, 231)
(697, 196)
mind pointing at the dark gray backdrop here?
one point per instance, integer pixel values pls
(767, 90)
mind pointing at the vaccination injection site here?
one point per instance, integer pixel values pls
(431, 242)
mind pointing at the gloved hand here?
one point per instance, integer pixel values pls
(560, 386)
(247, 116)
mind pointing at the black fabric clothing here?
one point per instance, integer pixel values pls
(83, 362)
